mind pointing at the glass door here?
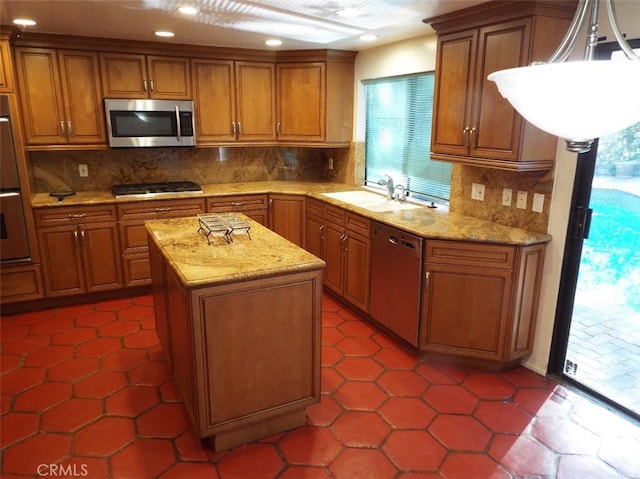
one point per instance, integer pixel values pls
(597, 337)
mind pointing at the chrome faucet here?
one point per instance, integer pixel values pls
(402, 195)
(390, 187)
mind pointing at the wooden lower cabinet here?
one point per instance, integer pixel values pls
(133, 236)
(342, 239)
(20, 283)
(287, 217)
(480, 301)
(254, 206)
(79, 248)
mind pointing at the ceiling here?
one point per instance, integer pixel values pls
(300, 24)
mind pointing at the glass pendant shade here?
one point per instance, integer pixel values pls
(578, 101)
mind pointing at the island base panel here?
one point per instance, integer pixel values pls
(252, 432)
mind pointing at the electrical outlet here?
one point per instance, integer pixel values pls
(521, 202)
(506, 196)
(538, 202)
(83, 170)
(477, 192)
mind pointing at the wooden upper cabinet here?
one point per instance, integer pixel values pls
(141, 76)
(235, 101)
(315, 98)
(60, 97)
(6, 67)
(472, 122)
(301, 102)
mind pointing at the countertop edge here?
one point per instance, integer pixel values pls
(403, 220)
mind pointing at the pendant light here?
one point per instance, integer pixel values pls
(580, 100)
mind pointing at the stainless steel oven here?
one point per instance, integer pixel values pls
(14, 241)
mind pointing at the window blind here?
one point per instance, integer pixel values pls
(398, 135)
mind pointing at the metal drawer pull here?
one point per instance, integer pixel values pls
(162, 210)
(77, 216)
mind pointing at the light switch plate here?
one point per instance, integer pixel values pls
(521, 202)
(83, 170)
(507, 196)
(538, 202)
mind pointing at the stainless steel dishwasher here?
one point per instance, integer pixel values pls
(396, 265)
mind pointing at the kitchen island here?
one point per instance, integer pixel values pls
(239, 318)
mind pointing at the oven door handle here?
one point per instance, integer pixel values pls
(9, 194)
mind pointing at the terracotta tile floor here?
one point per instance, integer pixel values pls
(86, 393)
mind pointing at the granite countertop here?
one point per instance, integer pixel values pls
(261, 255)
(425, 222)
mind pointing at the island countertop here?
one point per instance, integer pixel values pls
(261, 254)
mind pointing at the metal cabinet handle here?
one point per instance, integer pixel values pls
(63, 129)
(464, 136)
(70, 129)
(82, 237)
(234, 130)
(76, 216)
(278, 129)
(75, 238)
(144, 84)
(151, 84)
(237, 203)
(426, 280)
(321, 232)
(239, 129)
(471, 132)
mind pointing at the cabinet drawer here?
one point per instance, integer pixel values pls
(160, 209)
(315, 207)
(357, 224)
(74, 215)
(471, 254)
(236, 203)
(20, 283)
(335, 214)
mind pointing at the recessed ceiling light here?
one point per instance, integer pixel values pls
(165, 34)
(188, 10)
(273, 42)
(25, 22)
(348, 12)
(368, 37)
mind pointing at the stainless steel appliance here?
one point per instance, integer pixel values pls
(396, 265)
(148, 123)
(14, 241)
(149, 189)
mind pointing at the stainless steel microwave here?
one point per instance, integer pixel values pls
(135, 123)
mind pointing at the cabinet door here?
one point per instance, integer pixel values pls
(214, 93)
(101, 258)
(169, 78)
(357, 270)
(286, 217)
(301, 102)
(255, 101)
(466, 310)
(61, 261)
(334, 257)
(40, 98)
(123, 75)
(498, 125)
(6, 69)
(315, 236)
(453, 93)
(84, 111)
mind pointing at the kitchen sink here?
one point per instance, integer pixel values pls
(370, 201)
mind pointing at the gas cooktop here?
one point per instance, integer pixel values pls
(148, 189)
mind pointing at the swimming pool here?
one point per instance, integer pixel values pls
(610, 261)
